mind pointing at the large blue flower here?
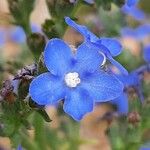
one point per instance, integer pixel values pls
(75, 78)
(107, 46)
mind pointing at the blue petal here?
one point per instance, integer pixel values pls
(78, 103)
(145, 147)
(47, 89)
(2, 37)
(146, 53)
(113, 45)
(35, 28)
(57, 56)
(122, 104)
(87, 60)
(89, 1)
(82, 30)
(142, 31)
(19, 147)
(102, 86)
(18, 35)
(129, 32)
(129, 80)
(118, 65)
(139, 33)
(135, 12)
(132, 2)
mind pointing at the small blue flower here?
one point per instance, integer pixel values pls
(107, 46)
(138, 33)
(131, 2)
(122, 103)
(145, 148)
(146, 53)
(18, 35)
(19, 147)
(131, 9)
(89, 1)
(130, 81)
(74, 78)
(128, 32)
(2, 37)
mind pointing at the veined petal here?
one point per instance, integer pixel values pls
(83, 30)
(118, 65)
(102, 86)
(87, 59)
(122, 103)
(57, 56)
(78, 103)
(46, 89)
(113, 45)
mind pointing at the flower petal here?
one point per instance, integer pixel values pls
(131, 79)
(134, 11)
(102, 86)
(57, 56)
(113, 45)
(46, 89)
(2, 36)
(78, 103)
(18, 35)
(118, 65)
(122, 104)
(132, 2)
(146, 53)
(87, 59)
(83, 30)
(89, 1)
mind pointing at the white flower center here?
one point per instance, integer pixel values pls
(72, 79)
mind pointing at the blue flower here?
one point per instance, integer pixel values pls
(131, 80)
(89, 1)
(146, 53)
(74, 78)
(18, 35)
(122, 103)
(19, 147)
(107, 46)
(138, 33)
(145, 148)
(131, 9)
(2, 37)
(130, 3)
